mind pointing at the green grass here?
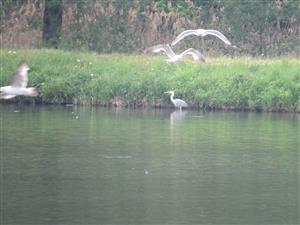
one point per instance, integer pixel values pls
(141, 80)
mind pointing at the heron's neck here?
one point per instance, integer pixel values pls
(172, 97)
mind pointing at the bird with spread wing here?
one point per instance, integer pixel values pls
(172, 57)
(202, 33)
(19, 84)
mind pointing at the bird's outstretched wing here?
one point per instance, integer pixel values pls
(20, 77)
(218, 34)
(6, 96)
(202, 32)
(162, 47)
(183, 35)
(194, 53)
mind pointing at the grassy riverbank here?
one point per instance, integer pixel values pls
(140, 80)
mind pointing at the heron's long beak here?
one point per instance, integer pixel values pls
(167, 92)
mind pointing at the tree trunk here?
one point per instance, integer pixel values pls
(52, 22)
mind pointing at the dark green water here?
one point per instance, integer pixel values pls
(65, 165)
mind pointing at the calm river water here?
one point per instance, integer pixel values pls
(68, 165)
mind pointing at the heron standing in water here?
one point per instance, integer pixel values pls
(18, 84)
(178, 103)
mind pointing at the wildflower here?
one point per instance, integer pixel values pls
(92, 74)
(90, 63)
(78, 60)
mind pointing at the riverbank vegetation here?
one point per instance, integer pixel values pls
(141, 80)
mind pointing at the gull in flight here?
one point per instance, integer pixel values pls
(173, 58)
(18, 84)
(202, 33)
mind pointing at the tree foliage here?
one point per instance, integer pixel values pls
(52, 22)
(257, 27)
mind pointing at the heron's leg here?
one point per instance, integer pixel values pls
(180, 108)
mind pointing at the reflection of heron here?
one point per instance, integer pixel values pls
(177, 115)
(202, 32)
(178, 103)
(18, 84)
(177, 119)
(173, 58)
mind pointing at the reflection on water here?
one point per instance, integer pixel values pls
(176, 118)
(68, 165)
(118, 157)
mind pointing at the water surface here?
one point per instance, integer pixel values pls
(68, 165)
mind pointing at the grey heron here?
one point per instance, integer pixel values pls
(18, 84)
(178, 103)
(202, 32)
(173, 58)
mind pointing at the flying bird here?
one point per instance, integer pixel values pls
(178, 103)
(202, 33)
(173, 58)
(18, 84)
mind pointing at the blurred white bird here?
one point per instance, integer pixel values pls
(18, 84)
(178, 103)
(202, 32)
(173, 58)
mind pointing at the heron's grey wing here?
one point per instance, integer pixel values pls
(219, 35)
(162, 47)
(180, 102)
(183, 35)
(19, 79)
(194, 53)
